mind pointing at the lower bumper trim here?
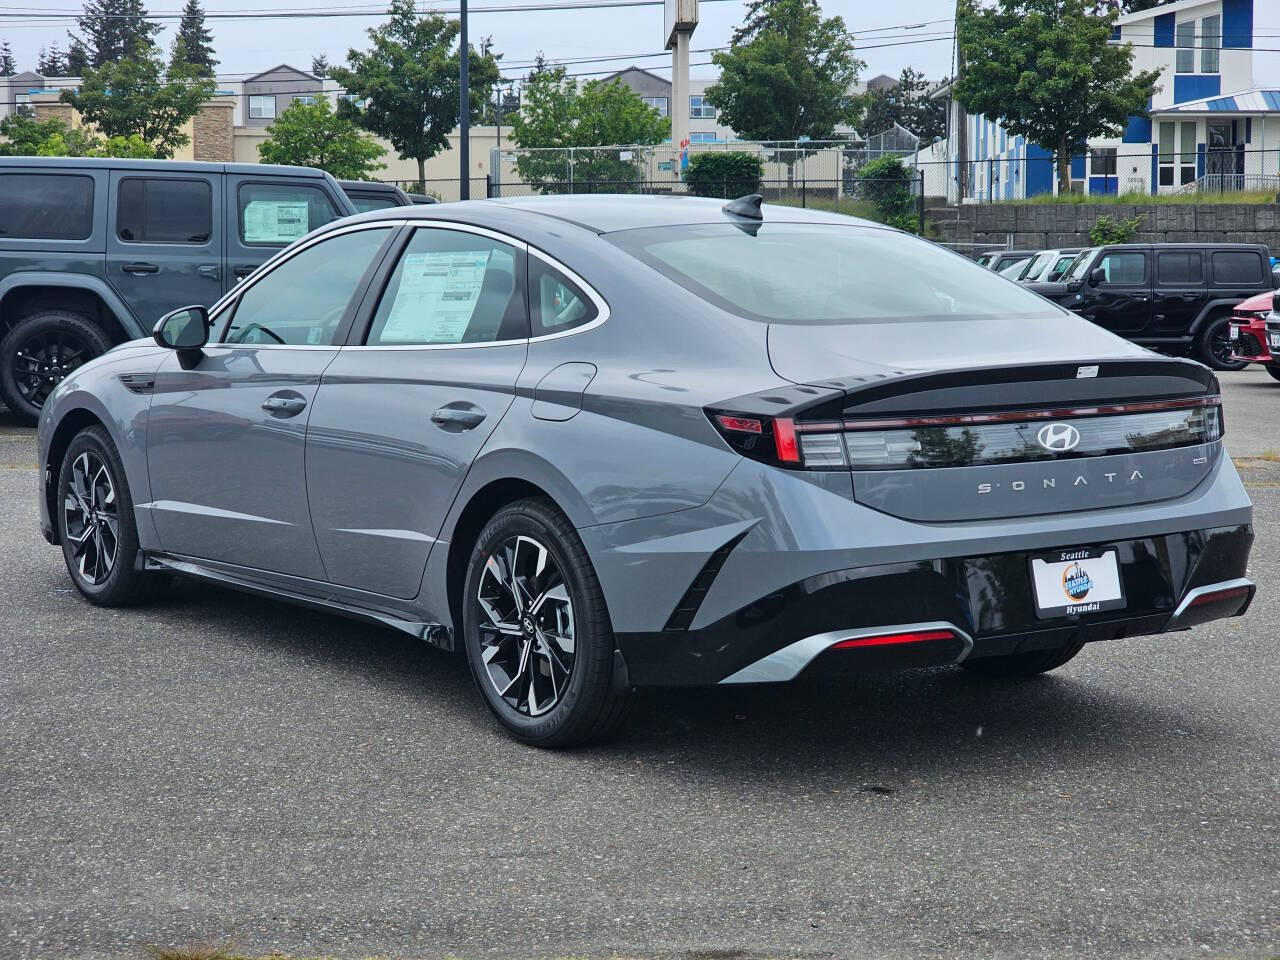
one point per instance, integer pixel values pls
(787, 663)
(1229, 598)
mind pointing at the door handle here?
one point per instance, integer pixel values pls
(284, 406)
(243, 271)
(457, 417)
(140, 268)
(210, 271)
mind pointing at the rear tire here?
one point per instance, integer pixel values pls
(537, 632)
(39, 351)
(1274, 370)
(1023, 664)
(96, 525)
(1214, 345)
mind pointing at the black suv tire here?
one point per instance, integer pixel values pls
(1214, 345)
(1274, 370)
(39, 351)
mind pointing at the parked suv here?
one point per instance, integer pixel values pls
(1173, 297)
(368, 195)
(94, 251)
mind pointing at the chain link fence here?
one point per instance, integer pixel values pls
(444, 190)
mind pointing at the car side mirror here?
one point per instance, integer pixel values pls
(1096, 276)
(186, 328)
(1073, 286)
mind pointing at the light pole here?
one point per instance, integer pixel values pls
(464, 112)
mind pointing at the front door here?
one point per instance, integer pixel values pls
(226, 435)
(1220, 157)
(405, 409)
(266, 214)
(164, 243)
(1120, 300)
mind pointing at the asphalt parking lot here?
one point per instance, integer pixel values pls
(221, 766)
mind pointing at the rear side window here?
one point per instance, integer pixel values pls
(556, 303)
(451, 287)
(1237, 266)
(40, 206)
(1179, 267)
(364, 202)
(1124, 267)
(159, 210)
(278, 214)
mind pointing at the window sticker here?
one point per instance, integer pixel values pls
(437, 296)
(275, 221)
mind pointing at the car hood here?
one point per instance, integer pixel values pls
(1255, 304)
(808, 353)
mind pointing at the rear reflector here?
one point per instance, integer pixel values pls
(894, 639)
(740, 424)
(1220, 596)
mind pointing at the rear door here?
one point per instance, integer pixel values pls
(1180, 291)
(1121, 300)
(265, 214)
(407, 405)
(164, 241)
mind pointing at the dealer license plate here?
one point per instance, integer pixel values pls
(1275, 341)
(1072, 582)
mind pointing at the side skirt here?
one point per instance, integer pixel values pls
(243, 580)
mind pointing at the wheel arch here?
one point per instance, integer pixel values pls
(89, 296)
(1212, 311)
(71, 424)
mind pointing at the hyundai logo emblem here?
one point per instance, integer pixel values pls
(1058, 437)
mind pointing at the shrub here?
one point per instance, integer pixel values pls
(1109, 230)
(887, 182)
(727, 175)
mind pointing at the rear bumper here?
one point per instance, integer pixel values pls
(980, 606)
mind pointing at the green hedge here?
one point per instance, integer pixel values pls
(727, 174)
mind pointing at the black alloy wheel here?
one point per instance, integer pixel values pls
(1215, 346)
(537, 632)
(91, 518)
(41, 351)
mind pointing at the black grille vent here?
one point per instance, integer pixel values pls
(688, 606)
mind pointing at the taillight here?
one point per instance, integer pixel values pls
(782, 441)
(894, 639)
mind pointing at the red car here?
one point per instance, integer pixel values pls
(1249, 333)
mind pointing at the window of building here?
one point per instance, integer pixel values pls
(160, 210)
(1185, 41)
(1102, 162)
(40, 206)
(22, 105)
(661, 104)
(1210, 43)
(1177, 152)
(699, 109)
(308, 101)
(702, 136)
(262, 107)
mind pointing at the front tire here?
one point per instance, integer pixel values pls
(95, 518)
(39, 352)
(1017, 665)
(1274, 370)
(537, 632)
(1214, 346)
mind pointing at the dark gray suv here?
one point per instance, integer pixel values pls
(94, 251)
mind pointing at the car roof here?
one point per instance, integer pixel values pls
(606, 213)
(168, 166)
(371, 186)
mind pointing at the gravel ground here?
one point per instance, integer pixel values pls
(218, 765)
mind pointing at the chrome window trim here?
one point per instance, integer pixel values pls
(787, 663)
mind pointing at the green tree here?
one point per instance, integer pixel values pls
(554, 112)
(1046, 71)
(51, 62)
(320, 65)
(314, 135)
(886, 184)
(25, 136)
(7, 65)
(410, 82)
(193, 43)
(116, 30)
(788, 79)
(907, 104)
(78, 57)
(156, 107)
(733, 173)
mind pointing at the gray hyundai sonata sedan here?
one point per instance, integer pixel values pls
(604, 443)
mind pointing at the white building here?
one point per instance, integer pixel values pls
(1214, 121)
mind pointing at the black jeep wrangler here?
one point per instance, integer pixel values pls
(1172, 297)
(94, 251)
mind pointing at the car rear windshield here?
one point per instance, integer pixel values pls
(39, 206)
(826, 273)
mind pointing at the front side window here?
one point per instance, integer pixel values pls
(1081, 265)
(1210, 43)
(1124, 267)
(1185, 41)
(302, 301)
(160, 210)
(41, 206)
(451, 287)
(699, 109)
(827, 274)
(278, 214)
(262, 107)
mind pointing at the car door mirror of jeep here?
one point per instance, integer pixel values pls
(184, 329)
(1097, 275)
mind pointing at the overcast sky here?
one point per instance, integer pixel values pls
(244, 47)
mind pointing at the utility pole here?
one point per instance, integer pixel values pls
(960, 117)
(464, 112)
